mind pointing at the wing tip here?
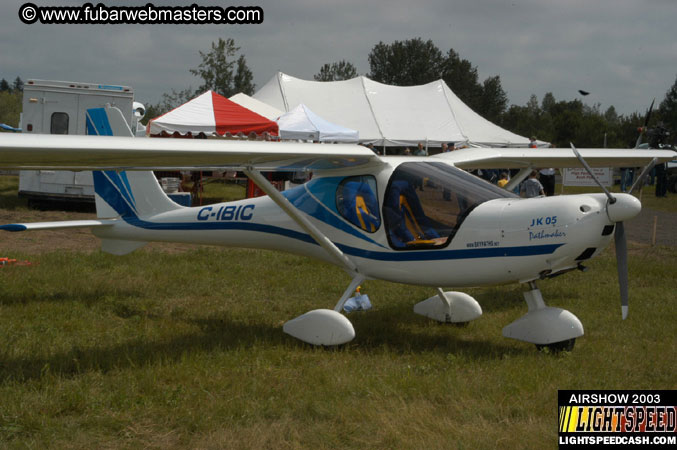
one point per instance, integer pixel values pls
(13, 227)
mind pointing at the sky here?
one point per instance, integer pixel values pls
(624, 52)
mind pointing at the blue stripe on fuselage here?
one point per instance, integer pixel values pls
(412, 255)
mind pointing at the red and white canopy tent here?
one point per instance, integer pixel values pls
(211, 114)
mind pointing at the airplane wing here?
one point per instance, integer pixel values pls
(54, 152)
(519, 158)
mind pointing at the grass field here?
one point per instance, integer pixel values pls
(184, 348)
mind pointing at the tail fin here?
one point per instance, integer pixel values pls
(129, 194)
(126, 194)
(108, 121)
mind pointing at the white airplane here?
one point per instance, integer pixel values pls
(414, 220)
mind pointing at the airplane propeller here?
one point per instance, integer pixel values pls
(619, 208)
(646, 124)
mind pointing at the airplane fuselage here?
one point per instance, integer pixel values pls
(464, 240)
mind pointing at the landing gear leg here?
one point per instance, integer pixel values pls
(325, 326)
(553, 328)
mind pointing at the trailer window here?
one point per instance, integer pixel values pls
(59, 123)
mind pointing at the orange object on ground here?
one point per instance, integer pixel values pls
(8, 261)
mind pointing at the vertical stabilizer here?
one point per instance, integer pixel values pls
(130, 194)
(108, 121)
(125, 194)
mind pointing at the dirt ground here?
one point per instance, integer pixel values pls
(639, 231)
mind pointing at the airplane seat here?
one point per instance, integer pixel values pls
(406, 218)
(361, 205)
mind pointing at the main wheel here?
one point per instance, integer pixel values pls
(556, 347)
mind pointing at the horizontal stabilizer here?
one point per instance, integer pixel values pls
(57, 225)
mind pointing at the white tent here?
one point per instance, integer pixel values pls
(390, 115)
(302, 123)
(257, 106)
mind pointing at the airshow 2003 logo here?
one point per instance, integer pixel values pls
(613, 418)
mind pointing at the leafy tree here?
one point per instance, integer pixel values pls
(169, 102)
(405, 63)
(461, 76)
(221, 73)
(526, 120)
(18, 85)
(548, 102)
(414, 62)
(493, 100)
(667, 110)
(4, 85)
(152, 111)
(243, 79)
(336, 71)
(10, 107)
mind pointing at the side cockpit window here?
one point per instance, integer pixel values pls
(407, 222)
(426, 202)
(357, 202)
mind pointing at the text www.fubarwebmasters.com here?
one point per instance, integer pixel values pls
(148, 14)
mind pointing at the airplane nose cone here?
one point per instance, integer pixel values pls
(626, 207)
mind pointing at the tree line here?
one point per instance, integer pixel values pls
(415, 61)
(11, 96)
(224, 70)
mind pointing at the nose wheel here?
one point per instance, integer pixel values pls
(556, 347)
(553, 328)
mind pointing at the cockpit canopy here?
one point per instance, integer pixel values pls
(426, 202)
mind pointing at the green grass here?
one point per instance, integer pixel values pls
(185, 349)
(9, 199)
(164, 350)
(221, 190)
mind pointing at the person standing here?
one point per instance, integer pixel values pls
(627, 174)
(547, 179)
(503, 179)
(421, 151)
(531, 187)
(661, 180)
(532, 142)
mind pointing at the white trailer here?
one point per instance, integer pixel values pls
(60, 107)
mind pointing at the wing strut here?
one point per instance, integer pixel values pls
(300, 219)
(518, 178)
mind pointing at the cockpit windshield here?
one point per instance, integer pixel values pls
(426, 202)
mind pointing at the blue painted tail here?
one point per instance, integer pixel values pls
(124, 194)
(129, 194)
